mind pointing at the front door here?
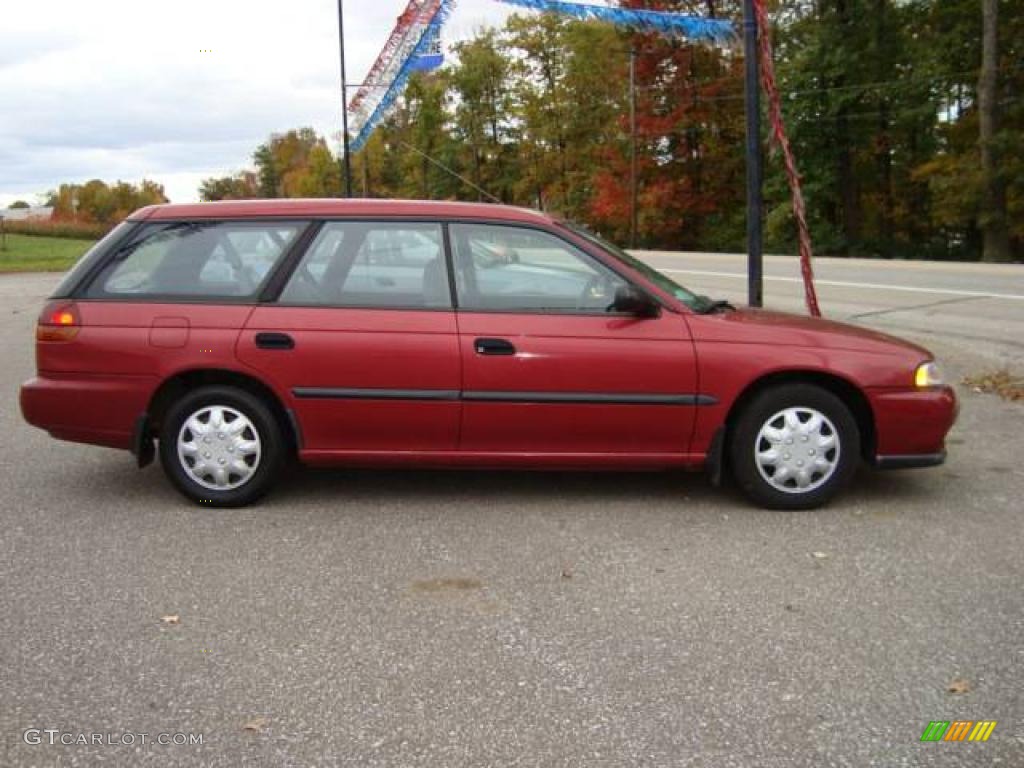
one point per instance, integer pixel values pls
(547, 368)
(363, 341)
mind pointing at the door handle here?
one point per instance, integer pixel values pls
(494, 347)
(274, 341)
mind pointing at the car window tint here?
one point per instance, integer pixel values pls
(214, 259)
(372, 264)
(513, 268)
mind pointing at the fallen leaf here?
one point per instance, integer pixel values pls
(1007, 385)
(256, 724)
(959, 686)
(171, 618)
(819, 555)
(566, 573)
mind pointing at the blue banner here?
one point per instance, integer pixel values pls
(432, 56)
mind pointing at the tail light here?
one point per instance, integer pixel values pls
(59, 321)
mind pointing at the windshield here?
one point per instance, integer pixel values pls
(690, 299)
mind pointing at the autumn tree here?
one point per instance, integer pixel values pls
(882, 101)
(100, 203)
(297, 163)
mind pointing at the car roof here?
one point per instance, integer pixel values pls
(328, 207)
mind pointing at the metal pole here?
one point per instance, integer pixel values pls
(755, 203)
(346, 159)
(632, 149)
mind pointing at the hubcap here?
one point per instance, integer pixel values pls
(797, 450)
(219, 447)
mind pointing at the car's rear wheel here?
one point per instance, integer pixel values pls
(794, 447)
(221, 446)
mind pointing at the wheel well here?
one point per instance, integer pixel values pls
(852, 397)
(176, 386)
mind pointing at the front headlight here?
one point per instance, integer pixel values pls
(928, 375)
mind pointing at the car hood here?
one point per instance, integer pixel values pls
(761, 326)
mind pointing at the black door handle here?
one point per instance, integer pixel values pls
(274, 341)
(494, 347)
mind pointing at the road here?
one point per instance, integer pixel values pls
(571, 619)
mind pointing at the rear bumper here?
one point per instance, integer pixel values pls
(911, 426)
(86, 408)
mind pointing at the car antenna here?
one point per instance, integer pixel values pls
(445, 168)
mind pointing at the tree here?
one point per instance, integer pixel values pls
(240, 186)
(482, 109)
(99, 203)
(296, 164)
(882, 101)
(18, 204)
(993, 216)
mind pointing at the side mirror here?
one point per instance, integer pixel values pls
(632, 301)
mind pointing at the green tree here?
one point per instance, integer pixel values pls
(240, 186)
(482, 111)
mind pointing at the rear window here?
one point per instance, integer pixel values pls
(89, 259)
(228, 260)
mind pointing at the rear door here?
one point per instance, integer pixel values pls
(547, 368)
(178, 291)
(363, 340)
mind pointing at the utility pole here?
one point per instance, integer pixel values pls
(755, 202)
(346, 158)
(632, 148)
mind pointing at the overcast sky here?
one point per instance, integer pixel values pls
(119, 89)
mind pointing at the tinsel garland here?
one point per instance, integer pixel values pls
(662, 22)
(394, 90)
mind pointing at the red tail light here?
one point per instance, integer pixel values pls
(59, 321)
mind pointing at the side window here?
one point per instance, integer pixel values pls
(372, 264)
(200, 259)
(517, 269)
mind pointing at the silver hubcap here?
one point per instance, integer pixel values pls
(219, 448)
(797, 450)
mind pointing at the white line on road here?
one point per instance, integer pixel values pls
(845, 284)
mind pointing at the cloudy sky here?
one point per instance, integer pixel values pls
(114, 89)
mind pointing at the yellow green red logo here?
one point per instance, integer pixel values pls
(958, 730)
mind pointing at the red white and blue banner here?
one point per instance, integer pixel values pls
(414, 44)
(432, 56)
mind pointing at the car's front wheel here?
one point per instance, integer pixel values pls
(221, 446)
(794, 447)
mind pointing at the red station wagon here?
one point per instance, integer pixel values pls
(367, 332)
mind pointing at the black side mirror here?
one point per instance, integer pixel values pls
(630, 300)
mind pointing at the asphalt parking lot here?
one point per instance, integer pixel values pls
(469, 619)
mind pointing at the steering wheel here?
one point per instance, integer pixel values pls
(597, 288)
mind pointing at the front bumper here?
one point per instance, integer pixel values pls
(919, 461)
(911, 426)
